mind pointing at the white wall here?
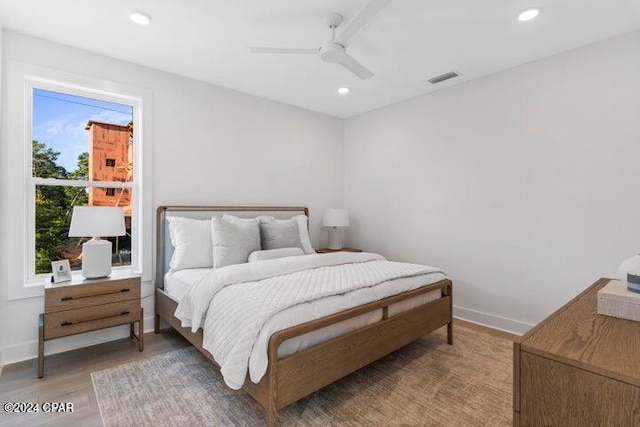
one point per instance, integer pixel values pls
(522, 185)
(211, 145)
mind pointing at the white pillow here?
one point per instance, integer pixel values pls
(242, 221)
(277, 233)
(191, 239)
(303, 226)
(274, 253)
(233, 240)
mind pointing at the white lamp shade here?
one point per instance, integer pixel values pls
(97, 221)
(335, 217)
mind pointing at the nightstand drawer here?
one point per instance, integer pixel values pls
(70, 322)
(91, 294)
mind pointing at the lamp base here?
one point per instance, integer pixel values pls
(633, 282)
(335, 238)
(96, 259)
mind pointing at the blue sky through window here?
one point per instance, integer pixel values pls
(59, 121)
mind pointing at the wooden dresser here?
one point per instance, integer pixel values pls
(87, 305)
(578, 368)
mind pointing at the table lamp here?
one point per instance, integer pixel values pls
(335, 218)
(96, 222)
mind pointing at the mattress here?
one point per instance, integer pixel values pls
(178, 283)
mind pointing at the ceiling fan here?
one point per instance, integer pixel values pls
(335, 50)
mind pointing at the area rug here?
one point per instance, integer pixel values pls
(427, 383)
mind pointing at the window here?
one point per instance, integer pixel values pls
(82, 146)
(71, 135)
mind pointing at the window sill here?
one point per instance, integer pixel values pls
(28, 290)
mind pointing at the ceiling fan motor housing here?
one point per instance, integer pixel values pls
(332, 52)
(335, 19)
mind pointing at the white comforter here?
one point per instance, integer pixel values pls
(236, 301)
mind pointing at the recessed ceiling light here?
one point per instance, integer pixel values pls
(140, 18)
(528, 14)
(344, 90)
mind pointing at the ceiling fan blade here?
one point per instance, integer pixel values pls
(360, 20)
(285, 50)
(355, 67)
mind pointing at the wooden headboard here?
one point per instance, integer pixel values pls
(164, 248)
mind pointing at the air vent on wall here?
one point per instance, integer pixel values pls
(443, 77)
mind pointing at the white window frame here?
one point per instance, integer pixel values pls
(20, 216)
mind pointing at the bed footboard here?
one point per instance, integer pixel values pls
(300, 374)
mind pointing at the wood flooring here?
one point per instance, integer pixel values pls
(67, 379)
(67, 376)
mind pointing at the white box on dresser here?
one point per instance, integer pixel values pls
(617, 301)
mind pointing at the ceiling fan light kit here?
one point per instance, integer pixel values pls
(332, 53)
(335, 51)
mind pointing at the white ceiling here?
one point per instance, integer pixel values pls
(407, 43)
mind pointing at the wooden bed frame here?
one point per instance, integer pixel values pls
(293, 377)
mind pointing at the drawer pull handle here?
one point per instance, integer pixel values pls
(123, 290)
(69, 323)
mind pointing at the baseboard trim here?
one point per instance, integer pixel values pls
(500, 323)
(29, 350)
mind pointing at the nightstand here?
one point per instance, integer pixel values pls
(87, 305)
(330, 251)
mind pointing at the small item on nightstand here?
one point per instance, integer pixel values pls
(633, 282)
(61, 271)
(617, 301)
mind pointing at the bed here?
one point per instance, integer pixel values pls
(301, 358)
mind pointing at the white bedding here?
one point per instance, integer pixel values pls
(217, 300)
(177, 283)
